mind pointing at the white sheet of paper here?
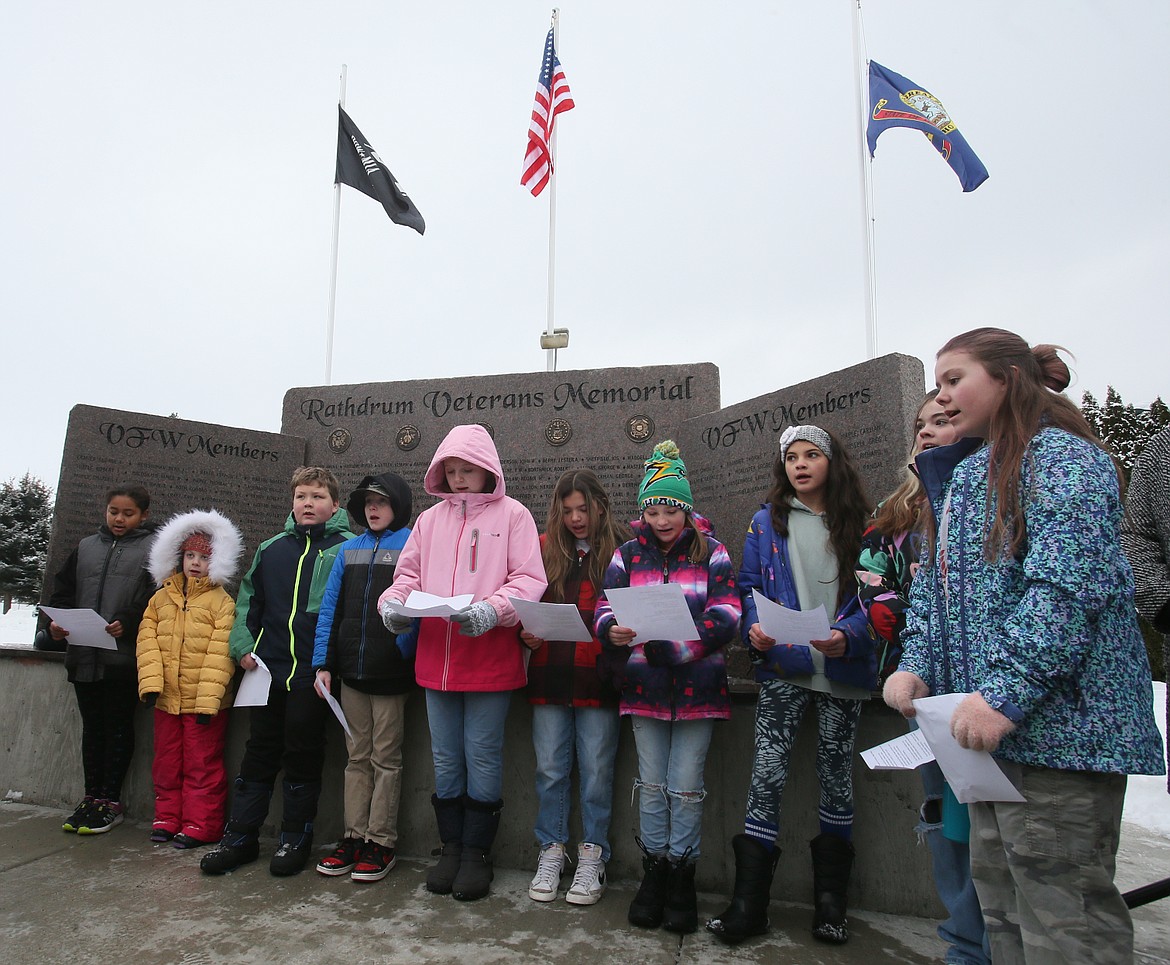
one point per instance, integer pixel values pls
(657, 612)
(552, 621)
(87, 628)
(333, 706)
(254, 686)
(420, 604)
(972, 775)
(785, 625)
(901, 754)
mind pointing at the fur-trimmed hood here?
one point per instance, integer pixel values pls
(227, 545)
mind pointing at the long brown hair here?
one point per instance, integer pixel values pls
(902, 509)
(606, 533)
(1033, 379)
(847, 509)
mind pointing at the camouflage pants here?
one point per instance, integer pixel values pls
(1044, 869)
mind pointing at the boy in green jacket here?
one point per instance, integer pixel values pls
(276, 620)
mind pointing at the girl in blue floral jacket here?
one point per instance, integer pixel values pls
(1026, 606)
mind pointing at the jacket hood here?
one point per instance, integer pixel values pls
(337, 523)
(227, 545)
(474, 444)
(935, 466)
(388, 484)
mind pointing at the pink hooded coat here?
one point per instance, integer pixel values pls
(485, 544)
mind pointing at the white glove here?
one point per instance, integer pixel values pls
(395, 621)
(476, 619)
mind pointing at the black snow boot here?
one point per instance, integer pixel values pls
(296, 830)
(680, 914)
(647, 907)
(449, 815)
(240, 844)
(747, 915)
(832, 858)
(481, 820)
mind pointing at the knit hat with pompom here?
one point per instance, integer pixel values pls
(665, 482)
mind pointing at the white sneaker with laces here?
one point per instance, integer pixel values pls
(589, 880)
(549, 868)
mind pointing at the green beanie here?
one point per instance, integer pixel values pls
(665, 482)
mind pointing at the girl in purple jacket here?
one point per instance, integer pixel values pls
(801, 551)
(673, 690)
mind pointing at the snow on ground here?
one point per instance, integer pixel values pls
(18, 625)
(1147, 804)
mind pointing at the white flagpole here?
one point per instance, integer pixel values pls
(551, 353)
(333, 271)
(861, 94)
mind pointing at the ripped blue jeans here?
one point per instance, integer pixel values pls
(671, 758)
(963, 929)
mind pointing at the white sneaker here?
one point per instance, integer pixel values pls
(589, 880)
(549, 868)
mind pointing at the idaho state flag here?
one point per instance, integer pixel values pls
(895, 101)
(359, 166)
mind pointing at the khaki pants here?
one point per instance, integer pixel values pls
(1044, 869)
(373, 774)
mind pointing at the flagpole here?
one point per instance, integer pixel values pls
(869, 251)
(551, 353)
(333, 270)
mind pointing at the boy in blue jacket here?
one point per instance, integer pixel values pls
(276, 620)
(354, 647)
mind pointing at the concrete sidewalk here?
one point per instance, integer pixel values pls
(65, 898)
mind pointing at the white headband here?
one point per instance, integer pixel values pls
(814, 434)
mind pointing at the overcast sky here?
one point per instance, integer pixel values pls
(168, 201)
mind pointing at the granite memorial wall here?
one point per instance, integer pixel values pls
(543, 423)
(184, 465)
(730, 453)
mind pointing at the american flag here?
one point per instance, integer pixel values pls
(551, 88)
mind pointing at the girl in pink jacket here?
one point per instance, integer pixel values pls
(476, 540)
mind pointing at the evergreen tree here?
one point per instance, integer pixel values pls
(1122, 428)
(26, 516)
(1157, 415)
(1092, 412)
(1125, 429)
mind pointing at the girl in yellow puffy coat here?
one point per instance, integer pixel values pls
(185, 673)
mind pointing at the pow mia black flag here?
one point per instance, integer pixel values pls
(359, 166)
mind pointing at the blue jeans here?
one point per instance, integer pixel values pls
(467, 742)
(556, 731)
(671, 757)
(963, 930)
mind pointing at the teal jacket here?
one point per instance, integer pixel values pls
(280, 598)
(1049, 637)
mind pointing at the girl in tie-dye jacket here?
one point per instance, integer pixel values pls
(673, 690)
